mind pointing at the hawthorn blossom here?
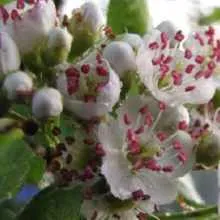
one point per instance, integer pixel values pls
(89, 89)
(17, 83)
(29, 26)
(141, 159)
(172, 75)
(9, 55)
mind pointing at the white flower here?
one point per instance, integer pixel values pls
(18, 82)
(89, 90)
(140, 159)
(121, 57)
(47, 102)
(110, 208)
(30, 27)
(9, 55)
(174, 76)
(59, 45)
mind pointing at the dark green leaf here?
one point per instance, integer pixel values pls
(55, 204)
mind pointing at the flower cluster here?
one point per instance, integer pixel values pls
(123, 115)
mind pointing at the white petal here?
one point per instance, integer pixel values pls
(123, 182)
(9, 55)
(111, 135)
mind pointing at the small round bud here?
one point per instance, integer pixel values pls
(121, 57)
(47, 102)
(208, 151)
(9, 55)
(18, 82)
(134, 40)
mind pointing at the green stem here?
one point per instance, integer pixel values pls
(183, 215)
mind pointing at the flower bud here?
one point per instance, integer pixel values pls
(121, 57)
(18, 82)
(59, 45)
(208, 151)
(134, 40)
(47, 102)
(9, 55)
(85, 25)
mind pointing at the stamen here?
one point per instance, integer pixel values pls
(189, 68)
(182, 125)
(20, 4)
(4, 14)
(85, 68)
(188, 54)
(15, 15)
(127, 120)
(189, 88)
(101, 71)
(179, 36)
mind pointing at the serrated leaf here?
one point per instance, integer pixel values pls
(55, 204)
(128, 16)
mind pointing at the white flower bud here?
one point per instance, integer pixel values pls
(59, 45)
(17, 82)
(9, 55)
(32, 27)
(47, 102)
(121, 57)
(92, 16)
(134, 40)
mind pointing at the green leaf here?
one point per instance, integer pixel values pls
(37, 167)
(128, 16)
(5, 1)
(16, 163)
(55, 204)
(213, 17)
